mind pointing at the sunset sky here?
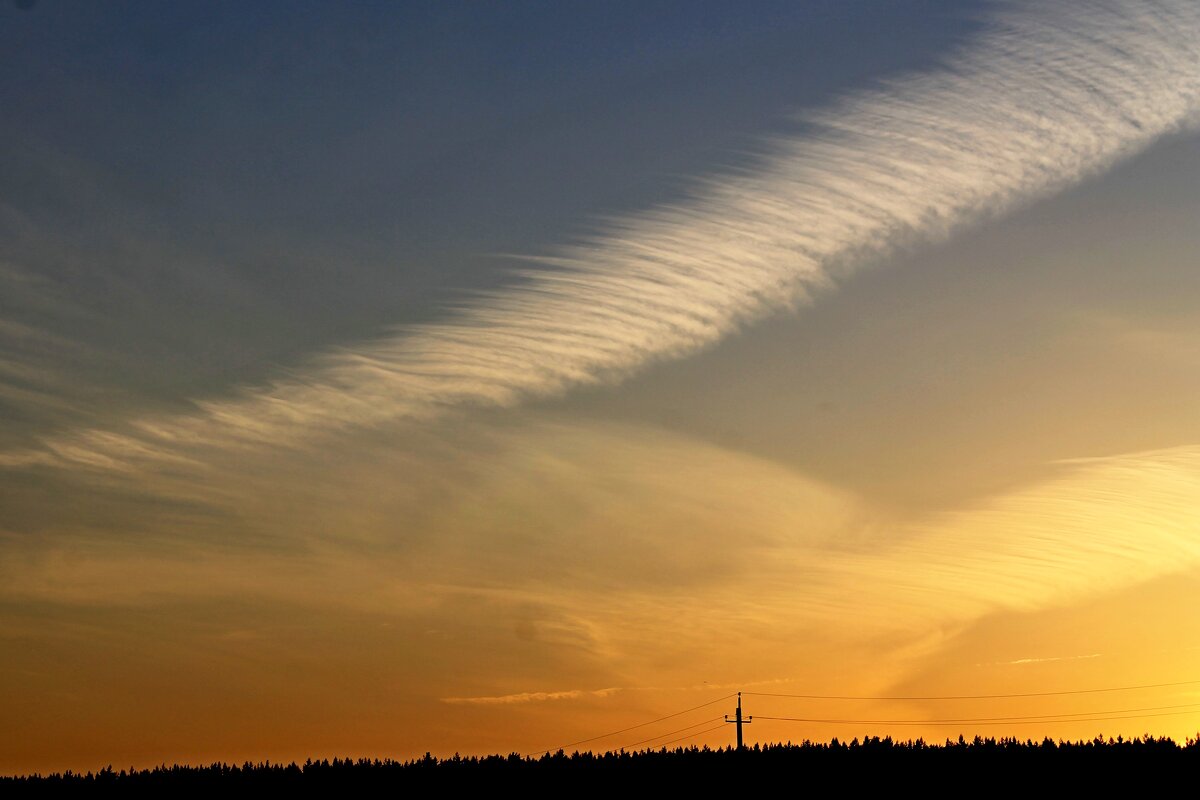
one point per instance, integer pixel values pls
(479, 377)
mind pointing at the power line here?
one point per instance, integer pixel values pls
(1038, 719)
(635, 727)
(936, 722)
(1035, 720)
(974, 696)
(693, 735)
(1015, 718)
(670, 733)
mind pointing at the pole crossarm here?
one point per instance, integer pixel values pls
(739, 720)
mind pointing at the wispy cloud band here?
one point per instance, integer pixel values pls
(1041, 101)
(529, 697)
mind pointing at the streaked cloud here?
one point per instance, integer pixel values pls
(1045, 99)
(529, 697)
(1100, 525)
(1050, 659)
(595, 540)
(568, 555)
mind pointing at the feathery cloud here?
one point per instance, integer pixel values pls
(1044, 99)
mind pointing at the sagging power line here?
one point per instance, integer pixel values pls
(1035, 719)
(1027, 718)
(975, 696)
(634, 727)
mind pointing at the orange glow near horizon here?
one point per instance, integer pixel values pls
(194, 681)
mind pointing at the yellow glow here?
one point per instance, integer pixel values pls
(596, 577)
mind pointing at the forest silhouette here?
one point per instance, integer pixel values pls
(966, 765)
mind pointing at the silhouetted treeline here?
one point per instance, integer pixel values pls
(870, 763)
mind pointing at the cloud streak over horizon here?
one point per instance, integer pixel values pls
(562, 548)
(1041, 101)
(529, 697)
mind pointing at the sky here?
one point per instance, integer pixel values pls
(382, 379)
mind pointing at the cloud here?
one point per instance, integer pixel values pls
(595, 541)
(1041, 101)
(1101, 525)
(1049, 659)
(507, 512)
(530, 697)
(544, 554)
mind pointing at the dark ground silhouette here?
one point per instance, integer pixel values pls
(979, 766)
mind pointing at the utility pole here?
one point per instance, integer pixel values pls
(738, 719)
